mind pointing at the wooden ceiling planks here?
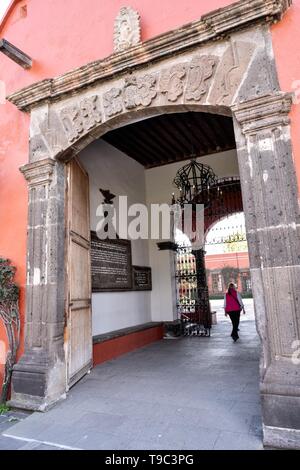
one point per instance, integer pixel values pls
(173, 137)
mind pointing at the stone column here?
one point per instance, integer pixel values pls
(39, 378)
(270, 200)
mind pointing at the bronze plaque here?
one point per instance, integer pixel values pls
(142, 278)
(111, 264)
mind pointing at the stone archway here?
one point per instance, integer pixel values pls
(222, 64)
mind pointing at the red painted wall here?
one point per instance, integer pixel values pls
(60, 35)
(116, 347)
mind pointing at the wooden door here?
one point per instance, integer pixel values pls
(78, 298)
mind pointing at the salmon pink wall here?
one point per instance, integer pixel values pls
(237, 260)
(286, 44)
(60, 35)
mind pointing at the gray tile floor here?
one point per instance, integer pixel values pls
(190, 393)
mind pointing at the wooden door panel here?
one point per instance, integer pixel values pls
(80, 344)
(78, 298)
(80, 283)
(80, 202)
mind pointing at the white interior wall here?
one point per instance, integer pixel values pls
(108, 168)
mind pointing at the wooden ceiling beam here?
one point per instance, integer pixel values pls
(164, 135)
(198, 145)
(201, 146)
(122, 143)
(199, 131)
(158, 140)
(141, 141)
(167, 130)
(207, 130)
(221, 135)
(179, 131)
(174, 136)
(152, 144)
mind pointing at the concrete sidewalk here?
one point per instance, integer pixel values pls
(190, 393)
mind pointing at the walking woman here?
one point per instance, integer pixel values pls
(233, 305)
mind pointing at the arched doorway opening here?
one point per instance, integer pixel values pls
(129, 174)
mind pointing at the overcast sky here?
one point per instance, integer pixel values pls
(3, 6)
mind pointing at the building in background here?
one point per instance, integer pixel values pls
(224, 268)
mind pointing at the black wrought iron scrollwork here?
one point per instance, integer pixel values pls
(192, 292)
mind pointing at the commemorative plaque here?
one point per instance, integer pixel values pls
(111, 264)
(141, 278)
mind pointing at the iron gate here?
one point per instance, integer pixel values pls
(192, 292)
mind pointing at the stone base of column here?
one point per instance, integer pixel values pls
(280, 394)
(37, 382)
(281, 438)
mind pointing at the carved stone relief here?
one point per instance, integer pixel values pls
(127, 30)
(201, 77)
(91, 112)
(230, 71)
(172, 82)
(139, 91)
(200, 74)
(112, 102)
(81, 118)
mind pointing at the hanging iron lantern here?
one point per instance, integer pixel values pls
(194, 182)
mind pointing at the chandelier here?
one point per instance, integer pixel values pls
(195, 182)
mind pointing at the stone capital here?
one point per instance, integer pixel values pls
(265, 112)
(38, 173)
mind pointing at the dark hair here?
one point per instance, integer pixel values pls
(231, 285)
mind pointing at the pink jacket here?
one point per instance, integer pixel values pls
(233, 302)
